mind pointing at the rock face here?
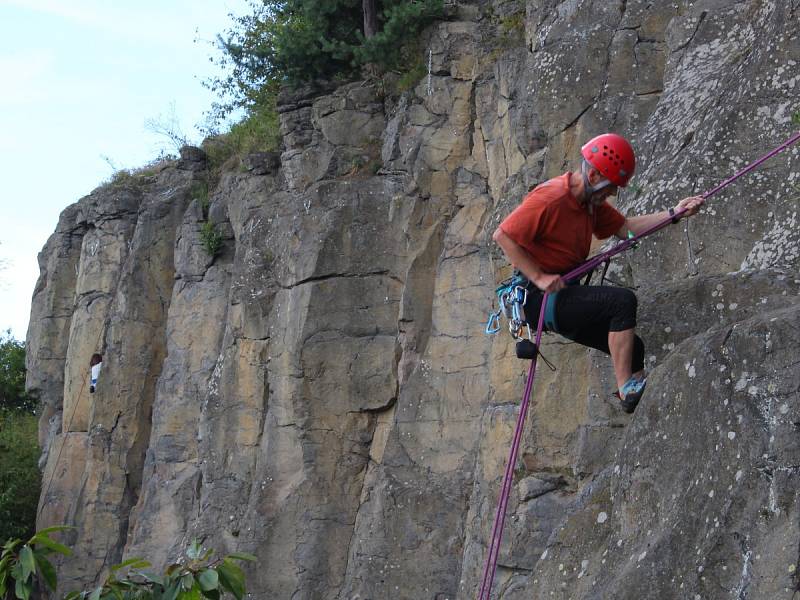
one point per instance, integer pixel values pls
(321, 393)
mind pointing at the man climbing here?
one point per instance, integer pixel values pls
(95, 364)
(550, 233)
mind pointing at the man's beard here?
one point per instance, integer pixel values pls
(597, 198)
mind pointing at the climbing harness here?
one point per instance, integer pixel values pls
(511, 297)
(587, 267)
(512, 294)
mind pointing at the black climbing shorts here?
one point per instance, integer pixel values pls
(586, 314)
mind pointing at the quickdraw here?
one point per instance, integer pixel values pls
(512, 294)
(511, 297)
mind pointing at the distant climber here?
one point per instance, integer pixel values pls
(550, 233)
(95, 364)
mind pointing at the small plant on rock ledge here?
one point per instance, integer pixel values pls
(199, 192)
(512, 29)
(140, 176)
(211, 238)
(412, 76)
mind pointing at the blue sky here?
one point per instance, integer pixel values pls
(80, 79)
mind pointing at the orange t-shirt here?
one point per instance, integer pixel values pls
(555, 229)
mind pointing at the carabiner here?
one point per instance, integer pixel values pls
(515, 327)
(493, 324)
(521, 294)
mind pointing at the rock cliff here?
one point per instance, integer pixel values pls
(321, 393)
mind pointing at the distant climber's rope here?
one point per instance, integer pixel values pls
(64, 432)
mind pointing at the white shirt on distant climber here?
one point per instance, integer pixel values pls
(95, 375)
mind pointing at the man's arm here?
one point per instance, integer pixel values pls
(645, 222)
(520, 259)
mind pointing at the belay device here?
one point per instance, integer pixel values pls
(511, 301)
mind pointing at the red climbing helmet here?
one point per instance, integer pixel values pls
(612, 155)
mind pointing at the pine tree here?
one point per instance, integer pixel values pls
(292, 41)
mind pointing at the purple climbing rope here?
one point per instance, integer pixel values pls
(500, 518)
(497, 529)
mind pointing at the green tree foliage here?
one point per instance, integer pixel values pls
(12, 375)
(194, 577)
(294, 41)
(248, 58)
(21, 561)
(20, 480)
(300, 40)
(399, 24)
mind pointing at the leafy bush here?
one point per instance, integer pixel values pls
(190, 579)
(416, 67)
(401, 23)
(258, 132)
(12, 375)
(20, 480)
(300, 40)
(512, 30)
(19, 562)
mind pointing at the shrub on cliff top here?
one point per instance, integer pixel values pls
(292, 41)
(259, 131)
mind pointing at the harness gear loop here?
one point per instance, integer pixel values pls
(512, 294)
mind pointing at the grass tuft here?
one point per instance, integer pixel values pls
(211, 238)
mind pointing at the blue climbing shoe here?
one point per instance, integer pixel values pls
(631, 393)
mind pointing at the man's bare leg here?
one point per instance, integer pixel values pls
(620, 343)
